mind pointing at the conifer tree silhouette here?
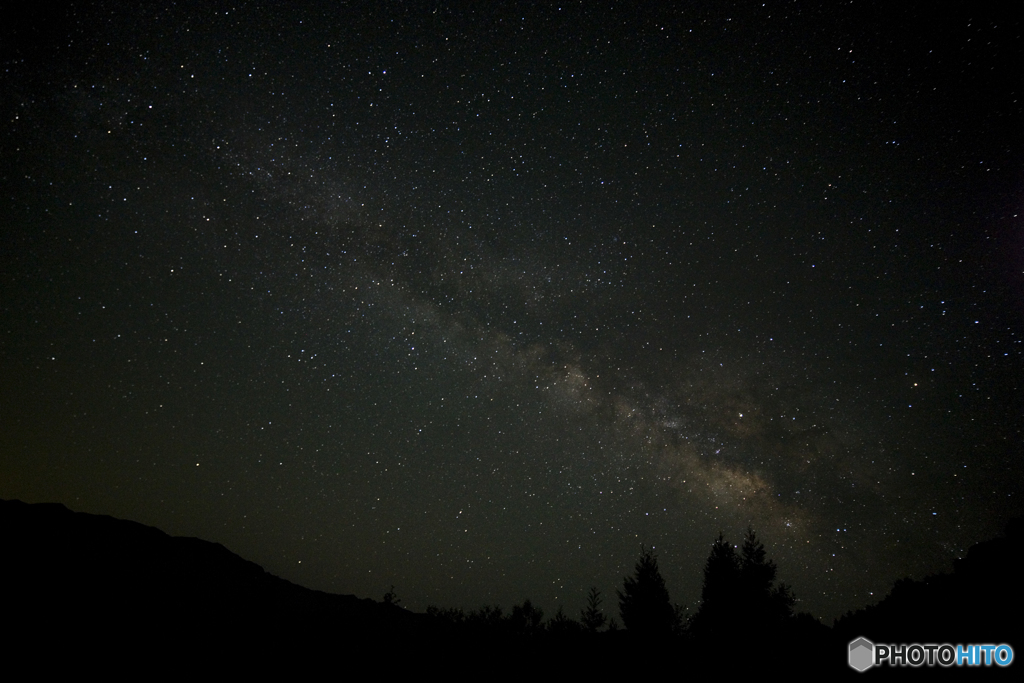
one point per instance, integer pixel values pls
(739, 597)
(592, 617)
(719, 593)
(561, 625)
(525, 619)
(644, 602)
(763, 604)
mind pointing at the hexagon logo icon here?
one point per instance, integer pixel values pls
(862, 654)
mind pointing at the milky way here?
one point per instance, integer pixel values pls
(478, 302)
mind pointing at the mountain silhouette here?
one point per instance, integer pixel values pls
(81, 582)
(981, 601)
(78, 587)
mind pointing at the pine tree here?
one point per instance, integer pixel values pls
(757, 574)
(719, 593)
(739, 597)
(562, 625)
(525, 619)
(782, 602)
(592, 617)
(644, 602)
(766, 603)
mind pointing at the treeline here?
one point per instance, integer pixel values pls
(740, 598)
(746, 617)
(74, 582)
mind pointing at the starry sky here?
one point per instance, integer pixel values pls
(477, 299)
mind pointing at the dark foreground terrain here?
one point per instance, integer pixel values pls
(82, 590)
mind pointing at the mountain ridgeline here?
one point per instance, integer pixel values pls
(79, 579)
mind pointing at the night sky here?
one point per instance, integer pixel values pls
(478, 300)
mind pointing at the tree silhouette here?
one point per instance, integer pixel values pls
(762, 603)
(643, 602)
(561, 625)
(525, 619)
(487, 618)
(592, 617)
(719, 593)
(451, 615)
(738, 597)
